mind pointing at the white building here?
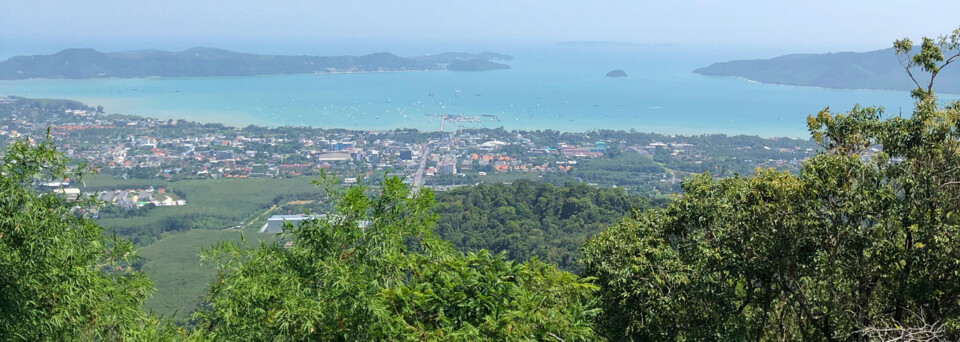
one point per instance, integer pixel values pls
(276, 222)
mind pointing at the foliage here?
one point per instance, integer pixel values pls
(863, 239)
(61, 278)
(374, 271)
(929, 59)
(530, 219)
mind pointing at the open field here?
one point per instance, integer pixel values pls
(173, 263)
(174, 236)
(211, 203)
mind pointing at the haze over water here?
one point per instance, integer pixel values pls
(558, 87)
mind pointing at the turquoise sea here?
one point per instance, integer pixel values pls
(556, 87)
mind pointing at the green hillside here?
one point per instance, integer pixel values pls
(846, 70)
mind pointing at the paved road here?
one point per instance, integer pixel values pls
(418, 177)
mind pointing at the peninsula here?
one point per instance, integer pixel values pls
(845, 70)
(205, 62)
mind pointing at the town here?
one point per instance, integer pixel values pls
(132, 147)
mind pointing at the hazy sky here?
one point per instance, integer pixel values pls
(43, 26)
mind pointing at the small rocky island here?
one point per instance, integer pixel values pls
(617, 73)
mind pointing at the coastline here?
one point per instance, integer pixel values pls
(222, 118)
(819, 87)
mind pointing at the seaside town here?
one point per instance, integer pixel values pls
(131, 147)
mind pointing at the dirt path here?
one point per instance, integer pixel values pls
(272, 208)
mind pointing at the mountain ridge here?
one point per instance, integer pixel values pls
(85, 63)
(878, 69)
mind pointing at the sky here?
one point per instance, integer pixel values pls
(351, 26)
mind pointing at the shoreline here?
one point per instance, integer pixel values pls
(819, 87)
(660, 130)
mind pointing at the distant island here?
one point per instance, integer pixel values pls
(603, 43)
(847, 70)
(450, 57)
(617, 73)
(475, 65)
(204, 62)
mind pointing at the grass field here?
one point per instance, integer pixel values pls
(172, 259)
(211, 203)
(173, 263)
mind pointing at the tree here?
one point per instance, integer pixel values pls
(60, 277)
(527, 218)
(930, 59)
(862, 244)
(374, 271)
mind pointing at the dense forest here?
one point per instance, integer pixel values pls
(860, 245)
(527, 218)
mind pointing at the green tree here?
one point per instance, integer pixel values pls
(861, 244)
(60, 277)
(530, 219)
(374, 271)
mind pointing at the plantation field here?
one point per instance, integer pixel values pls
(211, 203)
(173, 263)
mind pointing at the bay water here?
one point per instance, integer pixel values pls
(561, 87)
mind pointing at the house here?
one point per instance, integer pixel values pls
(107, 196)
(124, 201)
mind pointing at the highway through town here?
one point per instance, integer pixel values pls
(418, 177)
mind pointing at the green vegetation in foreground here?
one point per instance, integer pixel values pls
(862, 245)
(61, 279)
(378, 273)
(211, 204)
(174, 264)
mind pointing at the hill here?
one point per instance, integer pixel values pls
(205, 62)
(527, 218)
(847, 70)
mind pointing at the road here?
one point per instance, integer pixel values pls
(418, 177)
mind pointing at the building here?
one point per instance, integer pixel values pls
(448, 166)
(145, 196)
(107, 196)
(343, 145)
(276, 222)
(493, 144)
(406, 155)
(333, 156)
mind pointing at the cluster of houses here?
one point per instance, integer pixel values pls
(136, 198)
(123, 198)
